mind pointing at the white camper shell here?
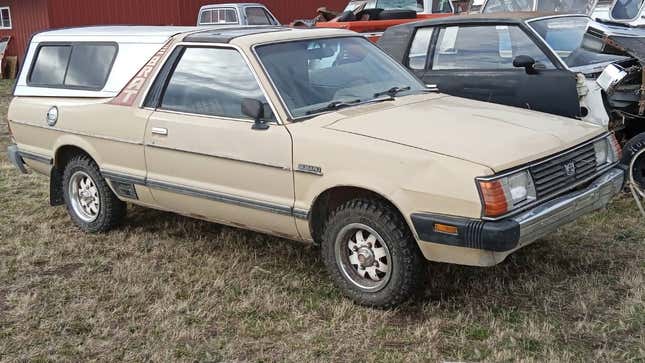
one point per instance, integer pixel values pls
(90, 61)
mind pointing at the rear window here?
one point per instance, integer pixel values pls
(257, 16)
(218, 16)
(80, 66)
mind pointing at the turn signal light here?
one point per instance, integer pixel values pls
(447, 229)
(494, 198)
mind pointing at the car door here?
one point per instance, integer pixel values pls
(203, 157)
(476, 61)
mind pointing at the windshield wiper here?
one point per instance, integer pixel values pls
(392, 91)
(333, 105)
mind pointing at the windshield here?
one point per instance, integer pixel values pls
(626, 9)
(564, 35)
(312, 74)
(558, 6)
(502, 6)
(416, 5)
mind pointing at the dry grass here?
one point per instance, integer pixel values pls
(165, 287)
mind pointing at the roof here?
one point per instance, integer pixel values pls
(225, 34)
(511, 17)
(119, 33)
(230, 5)
(261, 34)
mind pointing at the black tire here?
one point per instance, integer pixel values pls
(636, 144)
(407, 264)
(111, 210)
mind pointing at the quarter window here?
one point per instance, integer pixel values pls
(258, 16)
(211, 81)
(484, 48)
(5, 18)
(418, 56)
(82, 66)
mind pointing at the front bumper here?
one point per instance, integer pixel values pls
(522, 229)
(14, 156)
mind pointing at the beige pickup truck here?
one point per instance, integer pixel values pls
(313, 135)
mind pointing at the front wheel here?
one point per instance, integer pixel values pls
(370, 254)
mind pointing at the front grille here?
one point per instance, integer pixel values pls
(564, 170)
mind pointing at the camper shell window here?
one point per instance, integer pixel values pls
(72, 65)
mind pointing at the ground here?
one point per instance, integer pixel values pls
(169, 288)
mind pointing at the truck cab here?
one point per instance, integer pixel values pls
(235, 14)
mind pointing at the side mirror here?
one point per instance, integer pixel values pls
(255, 110)
(526, 62)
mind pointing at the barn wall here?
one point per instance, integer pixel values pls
(67, 13)
(27, 17)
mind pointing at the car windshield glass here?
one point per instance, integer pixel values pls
(312, 74)
(416, 5)
(501, 6)
(565, 35)
(558, 6)
(626, 9)
(355, 5)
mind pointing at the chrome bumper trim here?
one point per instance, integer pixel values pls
(547, 217)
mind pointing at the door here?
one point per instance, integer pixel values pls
(203, 157)
(477, 62)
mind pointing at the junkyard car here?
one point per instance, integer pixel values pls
(310, 134)
(531, 60)
(372, 17)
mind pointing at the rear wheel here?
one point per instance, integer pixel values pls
(90, 202)
(371, 254)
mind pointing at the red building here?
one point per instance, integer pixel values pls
(21, 18)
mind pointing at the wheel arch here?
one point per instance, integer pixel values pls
(64, 149)
(333, 196)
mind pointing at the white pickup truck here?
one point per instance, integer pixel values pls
(235, 14)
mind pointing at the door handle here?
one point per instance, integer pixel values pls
(159, 131)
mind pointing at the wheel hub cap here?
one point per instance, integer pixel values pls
(84, 196)
(363, 257)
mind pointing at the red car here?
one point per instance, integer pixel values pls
(372, 17)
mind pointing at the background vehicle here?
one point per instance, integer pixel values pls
(372, 17)
(628, 12)
(235, 14)
(277, 129)
(538, 61)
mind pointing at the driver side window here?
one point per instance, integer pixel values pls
(212, 82)
(490, 47)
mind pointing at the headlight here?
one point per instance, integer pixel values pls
(504, 194)
(607, 151)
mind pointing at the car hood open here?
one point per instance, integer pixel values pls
(499, 137)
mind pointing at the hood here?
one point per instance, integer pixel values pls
(498, 137)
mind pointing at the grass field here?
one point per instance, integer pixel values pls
(168, 288)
